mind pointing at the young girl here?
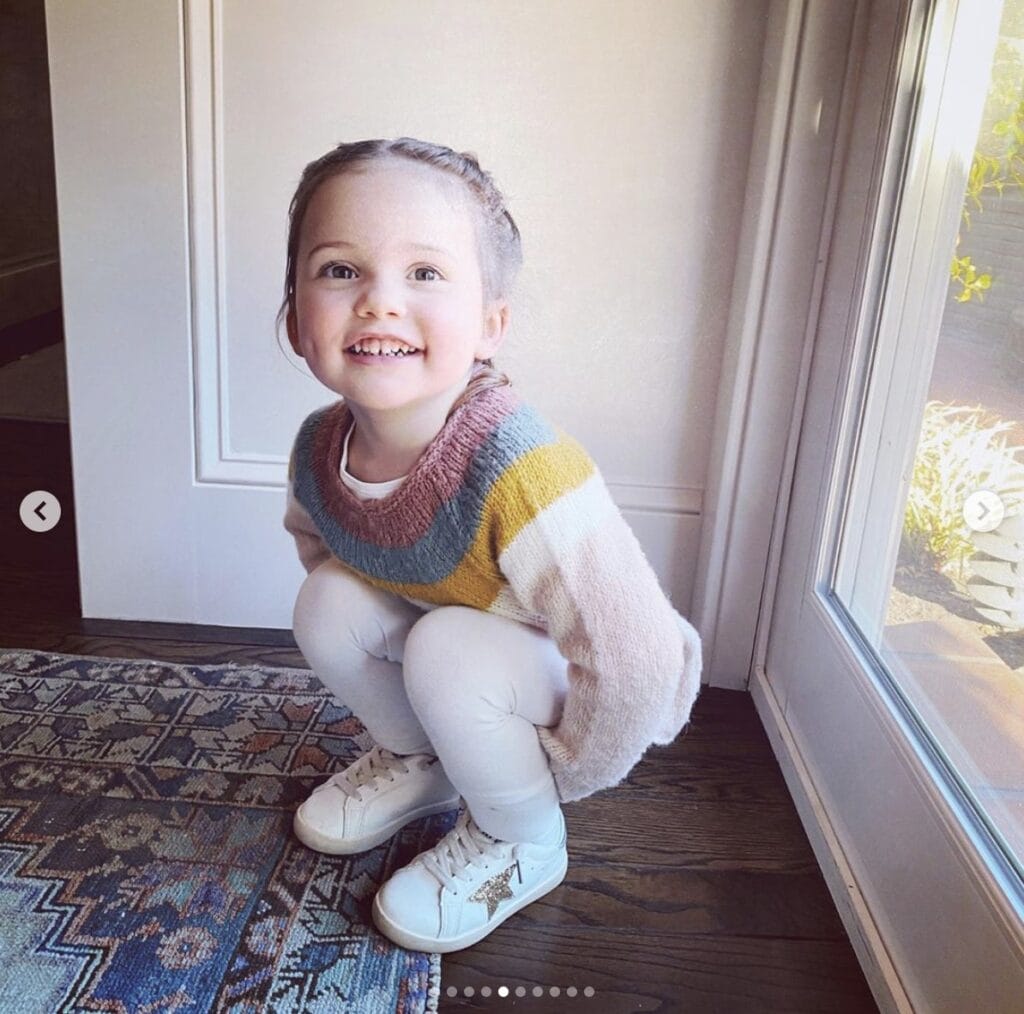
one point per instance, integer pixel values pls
(473, 594)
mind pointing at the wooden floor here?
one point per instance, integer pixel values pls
(691, 888)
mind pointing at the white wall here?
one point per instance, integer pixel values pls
(620, 134)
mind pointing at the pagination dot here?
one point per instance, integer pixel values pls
(537, 991)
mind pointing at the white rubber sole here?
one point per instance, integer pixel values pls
(320, 842)
(444, 945)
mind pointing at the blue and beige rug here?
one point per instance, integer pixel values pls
(146, 856)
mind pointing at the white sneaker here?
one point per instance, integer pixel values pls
(358, 808)
(453, 895)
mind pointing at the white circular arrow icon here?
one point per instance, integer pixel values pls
(40, 511)
(984, 511)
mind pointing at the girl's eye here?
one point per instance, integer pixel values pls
(330, 269)
(432, 271)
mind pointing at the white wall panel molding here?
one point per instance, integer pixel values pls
(655, 499)
(666, 518)
(216, 459)
(667, 522)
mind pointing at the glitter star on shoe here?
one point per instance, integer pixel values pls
(380, 792)
(456, 893)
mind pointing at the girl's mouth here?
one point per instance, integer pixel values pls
(386, 357)
(380, 348)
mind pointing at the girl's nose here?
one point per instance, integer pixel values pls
(380, 297)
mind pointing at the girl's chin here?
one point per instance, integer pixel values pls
(371, 398)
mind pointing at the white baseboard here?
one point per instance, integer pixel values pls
(867, 942)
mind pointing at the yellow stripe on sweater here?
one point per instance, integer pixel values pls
(548, 472)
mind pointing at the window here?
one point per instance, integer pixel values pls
(891, 682)
(949, 621)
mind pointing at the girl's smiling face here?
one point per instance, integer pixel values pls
(390, 250)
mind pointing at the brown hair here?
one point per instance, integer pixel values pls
(498, 241)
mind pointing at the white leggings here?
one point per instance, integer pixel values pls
(465, 685)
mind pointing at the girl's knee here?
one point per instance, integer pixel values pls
(334, 608)
(315, 598)
(438, 632)
(337, 612)
(438, 649)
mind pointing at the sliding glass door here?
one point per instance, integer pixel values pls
(893, 676)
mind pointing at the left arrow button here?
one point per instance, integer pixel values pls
(40, 511)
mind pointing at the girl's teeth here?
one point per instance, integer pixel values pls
(374, 348)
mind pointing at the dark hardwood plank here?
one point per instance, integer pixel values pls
(27, 336)
(684, 901)
(613, 827)
(702, 774)
(43, 636)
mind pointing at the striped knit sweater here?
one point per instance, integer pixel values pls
(505, 513)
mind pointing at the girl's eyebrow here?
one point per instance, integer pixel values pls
(338, 244)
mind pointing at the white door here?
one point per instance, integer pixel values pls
(892, 689)
(180, 132)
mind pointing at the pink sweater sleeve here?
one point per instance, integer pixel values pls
(311, 547)
(634, 662)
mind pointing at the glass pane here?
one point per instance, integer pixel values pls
(953, 636)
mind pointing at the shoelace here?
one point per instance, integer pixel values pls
(368, 771)
(463, 847)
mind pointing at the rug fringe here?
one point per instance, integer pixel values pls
(433, 984)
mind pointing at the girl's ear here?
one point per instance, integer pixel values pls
(496, 321)
(293, 332)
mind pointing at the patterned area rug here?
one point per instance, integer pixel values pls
(146, 856)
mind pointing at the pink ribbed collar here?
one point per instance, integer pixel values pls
(406, 513)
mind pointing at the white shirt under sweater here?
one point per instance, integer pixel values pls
(372, 491)
(365, 490)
